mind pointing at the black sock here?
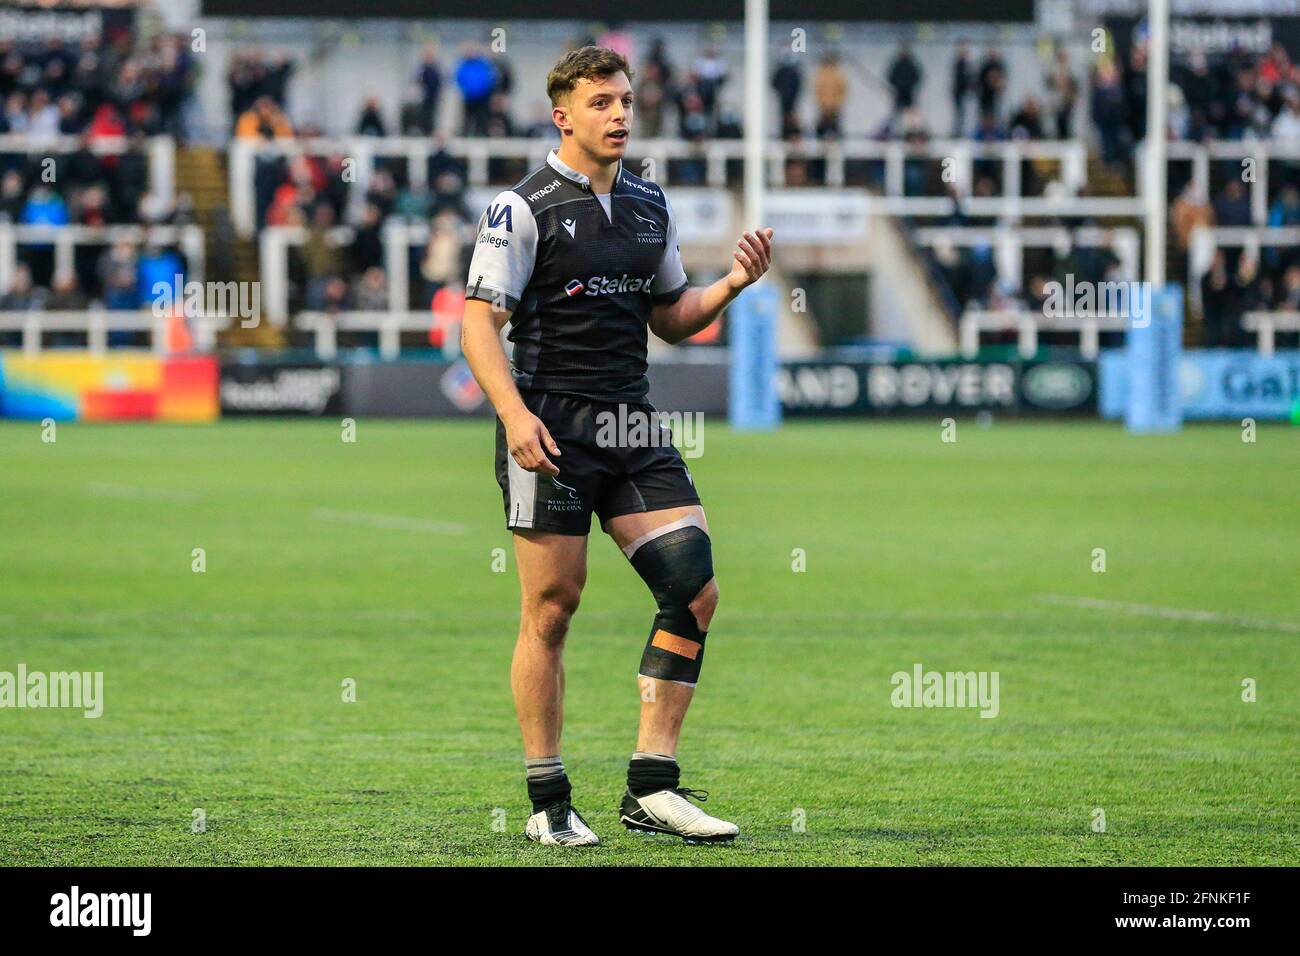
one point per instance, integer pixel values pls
(649, 772)
(547, 781)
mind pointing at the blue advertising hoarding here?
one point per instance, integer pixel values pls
(1215, 383)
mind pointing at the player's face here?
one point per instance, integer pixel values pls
(600, 113)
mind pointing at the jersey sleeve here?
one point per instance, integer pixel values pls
(670, 279)
(504, 251)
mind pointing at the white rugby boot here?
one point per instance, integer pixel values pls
(668, 811)
(560, 825)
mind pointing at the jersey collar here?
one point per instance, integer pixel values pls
(564, 169)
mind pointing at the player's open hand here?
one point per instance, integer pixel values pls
(529, 441)
(753, 255)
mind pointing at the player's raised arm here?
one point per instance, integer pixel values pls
(699, 306)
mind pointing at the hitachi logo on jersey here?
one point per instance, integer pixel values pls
(604, 285)
(645, 189)
(551, 187)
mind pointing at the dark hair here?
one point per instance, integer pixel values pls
(585, 63)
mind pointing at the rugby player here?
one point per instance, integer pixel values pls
(580, 257)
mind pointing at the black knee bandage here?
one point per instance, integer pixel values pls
(676, 566)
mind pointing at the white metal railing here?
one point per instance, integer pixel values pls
(1014, 207)
(275, 242)
(1259, 152)
(162, 154)
(1266, 325)
(65, 239)
(1028, 324)
(959, 155)
(1205, 241)
(273, 267)
(98, 323)
(389, 325)
(1009, 244)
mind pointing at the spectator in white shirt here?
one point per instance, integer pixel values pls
(1286, 127)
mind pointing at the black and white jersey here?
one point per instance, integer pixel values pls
(580, 272)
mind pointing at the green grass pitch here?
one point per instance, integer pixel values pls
(1120, 692)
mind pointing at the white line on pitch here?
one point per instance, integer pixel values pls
(392, 522)
(1170, 613)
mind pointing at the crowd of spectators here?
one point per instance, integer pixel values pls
(122, 276)
(1240, 280)
(102, 86)
(970, 274)
(86, 186)
(1227, 96)
(102, 91)
(1235, 95)
(341, 264)
(977, 94)
(308, 190)
(1230, 289)
(110, 88)
(687, 102)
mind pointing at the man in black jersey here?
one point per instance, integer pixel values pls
(580, 257)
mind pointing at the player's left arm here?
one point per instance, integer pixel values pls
(697, 307)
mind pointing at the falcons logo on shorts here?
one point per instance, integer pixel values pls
(574, 287)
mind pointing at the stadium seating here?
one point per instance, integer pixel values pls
(990, 202)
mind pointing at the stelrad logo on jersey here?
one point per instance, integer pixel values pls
(605, 285)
